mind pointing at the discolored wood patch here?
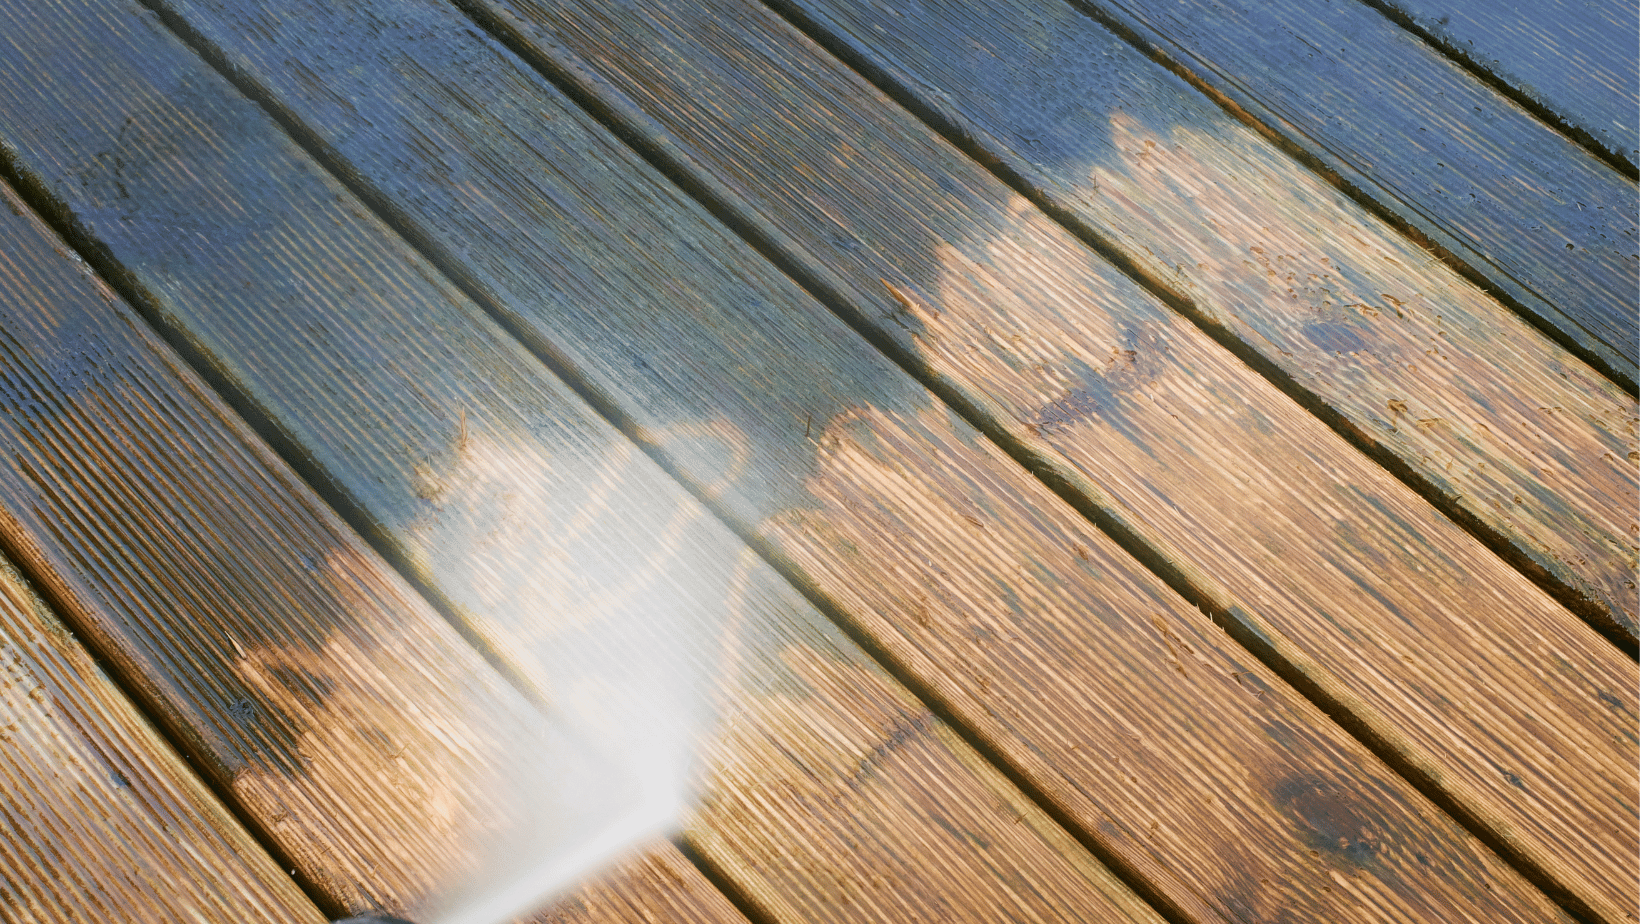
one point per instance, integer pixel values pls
(747, 393)
(238, 608)
(1525, 441)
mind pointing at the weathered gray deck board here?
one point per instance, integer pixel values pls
(1542, 221)
(834, 795)
(1283, 529)
(831, 793)
(1575, 60)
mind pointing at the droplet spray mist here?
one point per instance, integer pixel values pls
(611, 605)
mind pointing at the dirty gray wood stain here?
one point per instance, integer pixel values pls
(1573, 58)
(527, 514)
(1538, 217)
(1390, 609)
(976, 567)
(101, 819)
(1529, 441)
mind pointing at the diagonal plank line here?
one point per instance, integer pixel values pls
(110, 267)
(769, 242)
(653, 142)
(1488, 275)
(672, 893)
(61, 222)
(135, 749)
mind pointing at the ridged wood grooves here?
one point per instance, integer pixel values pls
(101, 820)
(1514, 204)
(830, 792)
(1336, 572)
(658, 365)
(1527, 445)
(1572, 63)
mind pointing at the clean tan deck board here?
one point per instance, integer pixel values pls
(1521, 205)
(530, 517)
(1528, 441)
(1350, 577)
(100, 821)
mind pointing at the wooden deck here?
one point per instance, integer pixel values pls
(1106, 460)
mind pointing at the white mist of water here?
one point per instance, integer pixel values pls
(610, 600)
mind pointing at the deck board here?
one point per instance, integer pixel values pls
(231, 602)
(546, 533)
(1283, 527)
(492, 238)
(699, 351)
(1522, 206)
(507, 349)
(1530, 443)
(366, 740)
(1575, 60)
(102, 821)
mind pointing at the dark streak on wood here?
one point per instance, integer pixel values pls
(1295, 279)
(1573, 63)
(870, 517)
(232, 602)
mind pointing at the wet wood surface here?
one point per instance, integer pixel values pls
(700, 382)
(550, 537)
(1347, 575)
(235, 606)
(1574, 59)
(1522, 206)
(101, 820)
(831, 792)
(1529, 444)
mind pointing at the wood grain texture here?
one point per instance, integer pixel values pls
(992, 592)
(1574, 59)
(238, 608)
(655, 886)
(1526, 441)
(1521, 205)
(100, 821)
(1454, 663)
(551, 537)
